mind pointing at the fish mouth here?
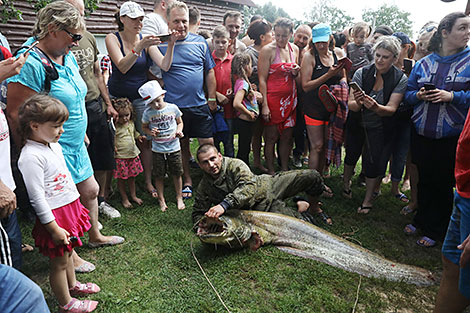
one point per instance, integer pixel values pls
(210, 227)
(223, 231)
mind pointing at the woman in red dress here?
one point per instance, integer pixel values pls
(277, 69)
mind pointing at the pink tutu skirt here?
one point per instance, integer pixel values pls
(127, 168)
(72, 217)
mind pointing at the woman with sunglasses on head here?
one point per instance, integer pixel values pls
(438, 91)
(131, 57)
(58, 28)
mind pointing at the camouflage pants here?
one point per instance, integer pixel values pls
(286, 185)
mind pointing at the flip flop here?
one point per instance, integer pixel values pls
(327, 98)
(407, 210)
(426, 242)
(86, 267)
(115, 240)
(347, 193)
(402, 197)
(410, 230)
(364, 209)
(188, 190)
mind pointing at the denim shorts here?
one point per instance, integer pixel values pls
(459, 229)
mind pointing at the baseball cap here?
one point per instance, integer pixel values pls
(150, 91)
(405, 40)
(131, 9)
(321, 33)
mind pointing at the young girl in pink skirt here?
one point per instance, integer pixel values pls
(126, 153)
(60, 217)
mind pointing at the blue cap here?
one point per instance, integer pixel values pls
(405, 40)
(321, 33)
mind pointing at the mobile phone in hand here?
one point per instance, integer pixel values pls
(164, 37)
(408, 65)
(429, 86)
(355, 86)
(30, 47)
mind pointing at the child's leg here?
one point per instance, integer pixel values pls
(59, 277)
(160, 189)
(131, 183)
(122, 190)
(178, 182)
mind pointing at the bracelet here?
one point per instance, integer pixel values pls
(211, 99)
(135, 53)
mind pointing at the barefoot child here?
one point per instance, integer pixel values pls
(61, 218)
(128, 164)
(162, 121)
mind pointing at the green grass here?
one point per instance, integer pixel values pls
(154, 270)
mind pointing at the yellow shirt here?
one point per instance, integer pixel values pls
(124, 141)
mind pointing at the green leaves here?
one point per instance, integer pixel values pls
(323, 11)
(390, 15)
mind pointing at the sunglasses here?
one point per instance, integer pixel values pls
(75, 37)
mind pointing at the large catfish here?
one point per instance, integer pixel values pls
(294, 236)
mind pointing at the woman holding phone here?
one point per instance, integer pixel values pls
(319, 67)
(438, 90)
(131, 57)
(376, 91)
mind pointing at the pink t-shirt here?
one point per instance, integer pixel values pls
(250, 104)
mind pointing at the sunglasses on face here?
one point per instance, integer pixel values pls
(75, 37)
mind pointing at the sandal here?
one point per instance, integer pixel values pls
(79, 306)
(327, 98)
(410, 230)
(364, 209)
(327, 192)
(347, 193)
(325, 218)
(86, 267)
(84, 289)
(402, 197)
(426, 242)
(188, 190)
(407, 210)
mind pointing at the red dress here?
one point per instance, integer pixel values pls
(281, 92)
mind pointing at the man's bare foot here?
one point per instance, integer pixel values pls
(180, 204)
(302, 206)
(137, 200)
(127, 204)
(261, 168)
(163, 206)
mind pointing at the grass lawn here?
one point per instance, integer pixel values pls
(154, 270)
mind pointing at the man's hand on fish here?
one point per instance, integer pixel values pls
(215, 211)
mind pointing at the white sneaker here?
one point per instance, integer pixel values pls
(109, 211)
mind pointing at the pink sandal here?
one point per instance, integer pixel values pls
(84, 289)
(79, 306)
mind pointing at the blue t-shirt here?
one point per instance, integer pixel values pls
(165, 121)
(184, 80)
(71, 90)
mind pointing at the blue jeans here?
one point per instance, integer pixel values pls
(11, 226)
(18, 293)
(459, 229)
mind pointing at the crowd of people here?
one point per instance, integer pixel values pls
(77, 122)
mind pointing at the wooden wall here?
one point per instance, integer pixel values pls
(102, 20)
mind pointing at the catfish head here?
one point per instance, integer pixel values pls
(231, 231)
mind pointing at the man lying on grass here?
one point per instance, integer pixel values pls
(229, 184)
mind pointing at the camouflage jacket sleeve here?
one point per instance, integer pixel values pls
(202, 201)
(241, 184)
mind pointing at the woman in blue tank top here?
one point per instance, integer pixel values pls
(131, 56)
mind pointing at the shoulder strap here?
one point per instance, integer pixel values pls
(120, 42)
(51, 71)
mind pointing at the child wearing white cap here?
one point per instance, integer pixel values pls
(162, 122)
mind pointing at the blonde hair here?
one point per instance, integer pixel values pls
(41, 109)
(61, 15)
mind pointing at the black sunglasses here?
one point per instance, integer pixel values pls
(75, 37)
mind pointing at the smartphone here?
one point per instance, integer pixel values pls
(164, 37)
(31, 47)
(73, 238)
(355, 86)
(429, 86)
(408, 65)
(347, 63)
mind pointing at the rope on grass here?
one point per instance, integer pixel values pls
(207, 278)
(357, 294)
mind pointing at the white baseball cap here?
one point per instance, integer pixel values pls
(131, 9)
(150, 91)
